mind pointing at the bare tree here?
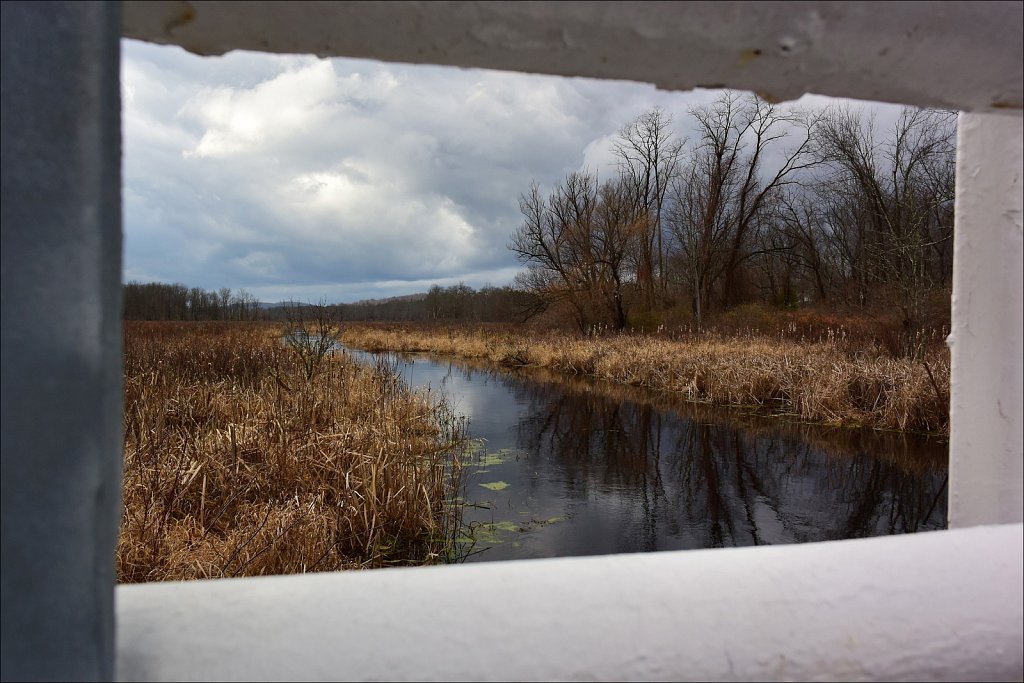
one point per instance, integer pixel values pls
(890, 204)
(649, 154)
(311, 332)
(578, 245)
(620, 230)
(800, 239)
(555, 242)
(224, 302)
(747, 151)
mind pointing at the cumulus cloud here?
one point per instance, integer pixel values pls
(297, 177)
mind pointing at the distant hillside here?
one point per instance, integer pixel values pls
(159, 301)
(419, 296)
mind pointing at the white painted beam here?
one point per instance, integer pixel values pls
(987, 382)
(933, 606)
(959, 55)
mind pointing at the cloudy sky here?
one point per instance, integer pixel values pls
(300, 178)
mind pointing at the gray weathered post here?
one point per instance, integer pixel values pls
(61, 337)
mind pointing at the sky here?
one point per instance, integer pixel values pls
(298, 178)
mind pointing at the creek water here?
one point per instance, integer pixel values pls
(562, 466)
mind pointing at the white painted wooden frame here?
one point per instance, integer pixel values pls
(940, 605)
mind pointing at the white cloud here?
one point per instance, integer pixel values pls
(598, 156)
(242, 121)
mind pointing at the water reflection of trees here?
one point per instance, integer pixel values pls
(685, 475)
(693, 481)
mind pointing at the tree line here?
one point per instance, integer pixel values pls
(457, 303)
(763, 203)
(160, 301)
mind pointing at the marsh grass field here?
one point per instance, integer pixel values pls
(238, 464)
(807, 369)
(239, 460)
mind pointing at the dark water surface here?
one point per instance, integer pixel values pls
(569, 466)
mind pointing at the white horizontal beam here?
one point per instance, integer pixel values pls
(959, 55)
(942, 605)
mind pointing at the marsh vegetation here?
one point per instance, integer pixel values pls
(808, 367)
(239, 460)
(264, 448)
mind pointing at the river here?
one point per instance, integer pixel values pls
(563, 466)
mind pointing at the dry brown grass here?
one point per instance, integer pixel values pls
(237, 465)
(827, 380)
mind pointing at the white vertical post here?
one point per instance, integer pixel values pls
(985, 479)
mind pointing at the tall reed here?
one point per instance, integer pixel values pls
(238, 464)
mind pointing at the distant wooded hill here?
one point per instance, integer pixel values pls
(160, 301)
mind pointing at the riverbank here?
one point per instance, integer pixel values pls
(236, 464)
(827, 380)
